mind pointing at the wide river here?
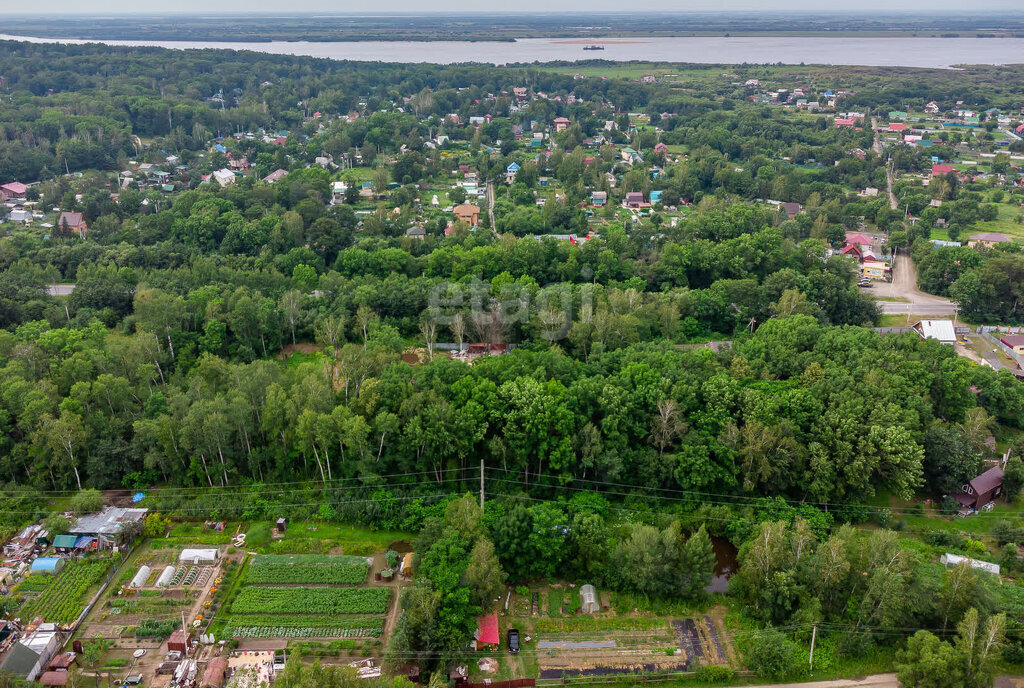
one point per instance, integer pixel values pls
(839, 50)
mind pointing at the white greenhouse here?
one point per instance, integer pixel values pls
(165, 577)
(588, 599)
(141, 577)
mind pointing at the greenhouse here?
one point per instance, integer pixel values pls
(588, 599)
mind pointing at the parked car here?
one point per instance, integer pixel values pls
(864, 283)
(513, 641)
(133, 680)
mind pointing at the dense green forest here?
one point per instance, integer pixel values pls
(351, 293)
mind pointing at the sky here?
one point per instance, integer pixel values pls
(294, 6)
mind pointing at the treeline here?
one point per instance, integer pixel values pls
(987, 284)
(796, 409)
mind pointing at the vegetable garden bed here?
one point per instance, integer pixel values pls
(304, 627)
(341, 570)
(62, 600)
(271, 600)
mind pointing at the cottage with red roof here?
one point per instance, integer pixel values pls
(898, 127)
(561, 123)
(660, 147)
(73, 221)
(941, 170)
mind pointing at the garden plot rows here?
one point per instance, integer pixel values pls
(291, 600)
(62, 600)
(282, 626)
(307, 568)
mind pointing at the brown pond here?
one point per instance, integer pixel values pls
(725, 564)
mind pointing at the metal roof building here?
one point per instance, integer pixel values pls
(107, 523)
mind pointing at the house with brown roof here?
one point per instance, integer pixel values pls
(982, 490)
(987, 239)
(12, 190)
(73, 221)
(634, 199)
(468, 213)
(561, 123)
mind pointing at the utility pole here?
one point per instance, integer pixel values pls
(481, 484)
(814, 635)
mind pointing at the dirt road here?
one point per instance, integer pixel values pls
(904, 287)
(873, 681)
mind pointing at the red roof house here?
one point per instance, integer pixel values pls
(73, 221)
(660, 147)
(898, 127)
(487, 630)
(858, 239)
(941, 170)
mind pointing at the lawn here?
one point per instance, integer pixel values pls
(316, 538)
(1006, 223)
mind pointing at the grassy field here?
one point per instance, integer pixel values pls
(1006, 223)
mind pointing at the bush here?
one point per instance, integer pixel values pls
(949, 506)
(884, 517)
(391, 556)
(773, 656)
(87, 502)
(713, 673)
(1006, 531)
(56, 524)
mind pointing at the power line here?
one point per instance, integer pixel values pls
(172, 490)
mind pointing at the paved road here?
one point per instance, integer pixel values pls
(904, 286)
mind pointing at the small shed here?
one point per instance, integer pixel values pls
(48, 565)
(165, 577)
(64, 543)
(281, 525)
(213, 677)
(141, 577)
(588, 599)
(179, 642)
(54, 678)
(62, 662)
(198, 556)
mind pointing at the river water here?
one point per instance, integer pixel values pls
(839, 50)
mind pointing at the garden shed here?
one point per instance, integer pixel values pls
(47, 565)
(64, 543)
(588, 599)
(198, 556)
